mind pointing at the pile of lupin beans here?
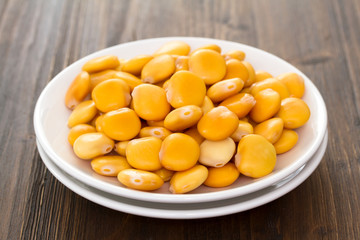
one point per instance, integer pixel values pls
(188, 117)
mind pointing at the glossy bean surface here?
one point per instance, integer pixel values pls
(240, 104)
(224, 89)
(83, 113)
(140, 179)
(150, 102)
(122, 124)
(79, 130)
(218, 118)
(158, 69)
(208, 65)
(101, 63)
(143, 153)
(182, 118)
(109, 165)
(294, 112)
(216, 153)
(186, 181)
(111, 94)
(91, 145)
(267, 104)
(256, 156)
(159, 132)
(174, 48)
(185, 88)
(136, 64)
(179, 152)
(271, 129)
(222, 176)
(78, 90)
(286, 142)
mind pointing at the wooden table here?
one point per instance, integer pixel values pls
(39, 38)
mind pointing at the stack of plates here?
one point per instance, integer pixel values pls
(292, 168)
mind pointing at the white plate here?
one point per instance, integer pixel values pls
(190, 210)
(50, 118)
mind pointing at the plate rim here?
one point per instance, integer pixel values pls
(222, 210)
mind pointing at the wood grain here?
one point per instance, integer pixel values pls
(39, 38)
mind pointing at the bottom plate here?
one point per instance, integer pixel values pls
(190, 210)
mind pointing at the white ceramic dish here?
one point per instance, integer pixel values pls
(50, 118)
(191, 210)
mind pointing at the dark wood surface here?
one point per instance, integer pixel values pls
(39, 38)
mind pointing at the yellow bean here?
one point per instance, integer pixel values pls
(186, 181)
(185, 88)
(267, 105)
(136, 64)
(179, 152)
(236, 69)
(140, 180)
(207, 105)
(208, 64)
(294, 111)
(165, 174)
(101, 63)
(251, 72)
(120, 148)
(256, 156)
(213, 47)
(224, 89)
(287, 141)
(79, 130)
(143, 153)
(99, 77)
(262, 75)
(111, 94)
(159, 132)
(194, 133)
(150, 102)
(122, 124)
(83, 113)
(78, 90)
(174, 48)
(235, 54)
(216, 153)
(271, 129)
(240, 104)
(91, 145)
(99, 123)
(182, 118)
(244, 128)
(158, 69)
(294, 82)
(130, 79)
(182, 63)
(109, 165)
(218, 118)
(272, 83)
(223, 176)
